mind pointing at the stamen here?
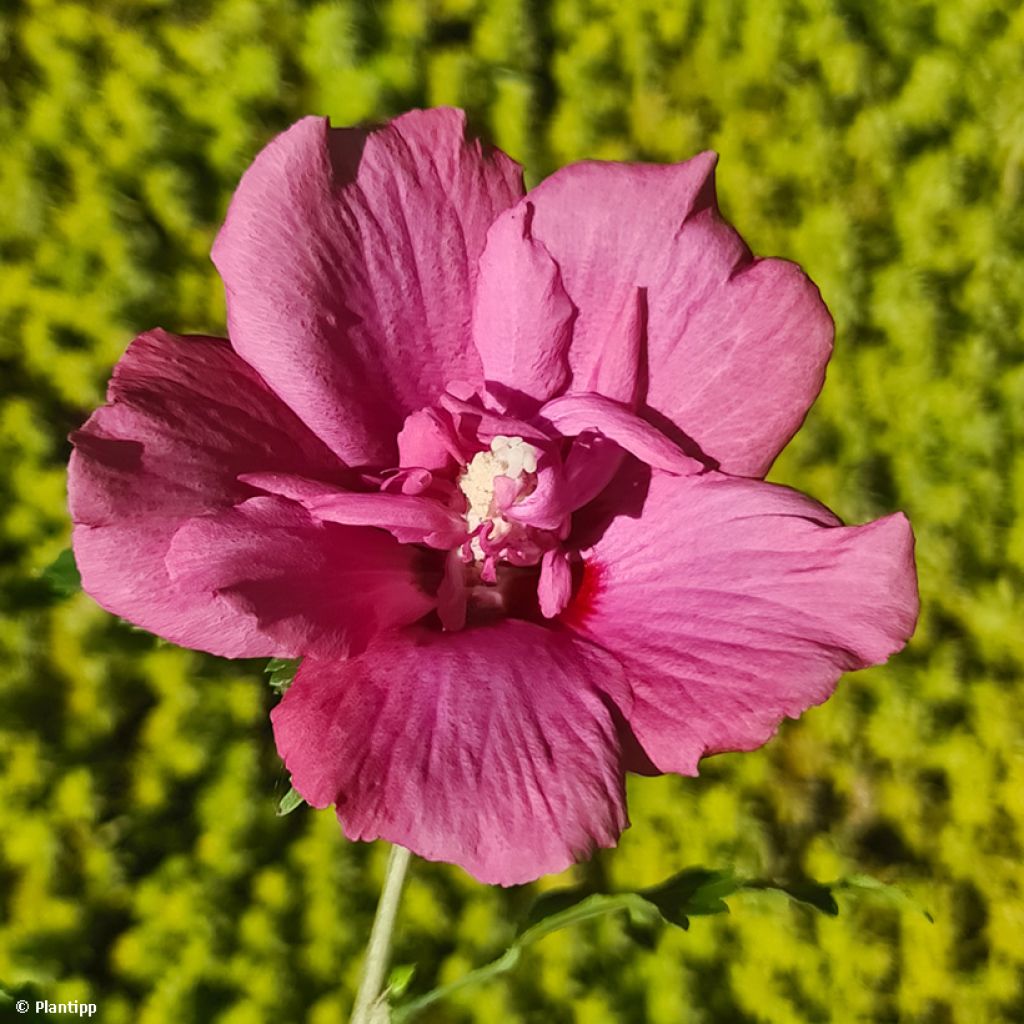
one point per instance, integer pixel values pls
(510, 458)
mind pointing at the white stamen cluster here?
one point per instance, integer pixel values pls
(511, 457)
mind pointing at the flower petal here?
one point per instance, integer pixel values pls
(733, 603)
(412, 519)
(123, 570)
(495, 748)
(349, 259)
(736, 347)
(554, 587)
(427, 439)
(185, 417)
(577, 414)
(522, 318)
(316, 588)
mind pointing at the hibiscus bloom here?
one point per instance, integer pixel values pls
(491, 464)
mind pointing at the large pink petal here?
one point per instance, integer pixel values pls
(185, 417)
(349, 259)
(522, 318)
(495, 748)
(315, 588)
(734, 603)
(736, 347)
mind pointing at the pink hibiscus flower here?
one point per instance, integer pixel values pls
(491, 464)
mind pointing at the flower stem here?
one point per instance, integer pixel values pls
(378, 949)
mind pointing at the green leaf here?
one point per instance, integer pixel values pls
(572, 910)
(890, 893)
(281, 672)
(399, 979)
(690, 893)
(289, 802)
(814, 894)
(62, 574)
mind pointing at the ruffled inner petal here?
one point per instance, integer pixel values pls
(317, 588)
(522, 318)
(577, 414)
(412, 519)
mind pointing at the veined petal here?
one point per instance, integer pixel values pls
(315, 588)
(412, 519)
(427, 439)
(577, 414)
(186, 417)
(736, 347)
(349, 259)
(555, 585)
(495, 748)
(522, 318)
(734, 603)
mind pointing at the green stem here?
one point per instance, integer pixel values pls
(378, 949)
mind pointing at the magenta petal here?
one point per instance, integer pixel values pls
(555, 585)
(581, 413)
(736, 348)
(123, 570)
(493, 748)
(412, 519)
(522, 319)
(590, 467)
(349, 260)
(186, 417)
(547, 506)
(451, 595)
(428, 440)
(316, 588)
(614, 370)
(734, 603)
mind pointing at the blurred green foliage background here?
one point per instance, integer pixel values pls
(878, 142)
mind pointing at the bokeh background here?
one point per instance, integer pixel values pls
(878, 142)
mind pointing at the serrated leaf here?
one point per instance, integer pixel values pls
(690, 893)
(281, 672)
(289, 802)
(62, 574)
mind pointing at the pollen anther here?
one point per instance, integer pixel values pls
(510, 458)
